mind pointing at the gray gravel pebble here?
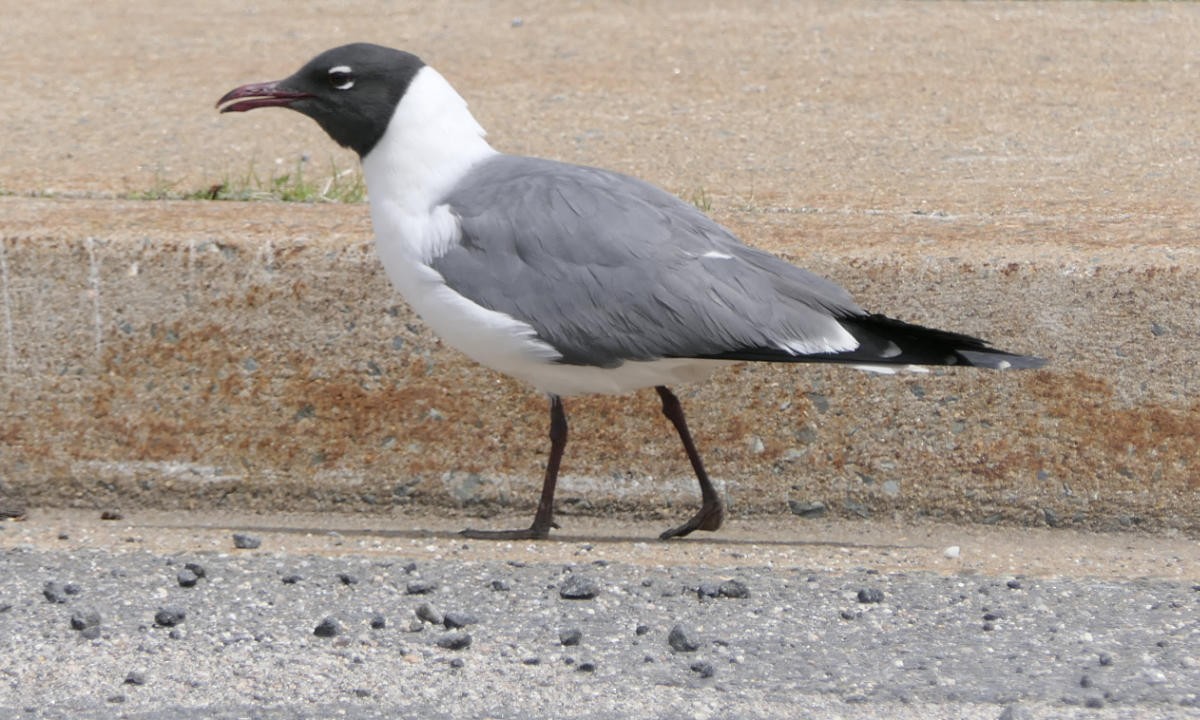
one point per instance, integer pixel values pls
(578, 587)
(734, 589)
(682, 640)
(458, 619)
(429, 614)
(56, 592)
(420, 587)
(328, 627)
(84, 619)
(135, 677)
(570, 636)
(243, 541)
(454, 641)
(186, 578)
(169, 616)
(870, 595)
(703, 668)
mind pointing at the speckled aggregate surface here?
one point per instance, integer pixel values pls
(780, 625)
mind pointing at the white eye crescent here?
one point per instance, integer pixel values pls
(341, 77)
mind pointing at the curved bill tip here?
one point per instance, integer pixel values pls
(256, 95)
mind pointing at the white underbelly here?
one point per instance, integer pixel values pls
(510, 346)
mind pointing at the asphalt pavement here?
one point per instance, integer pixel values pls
(103, 619)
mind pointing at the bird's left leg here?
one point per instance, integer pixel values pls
(712, 510)
(543, 520)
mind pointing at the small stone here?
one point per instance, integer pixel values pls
(531, 661)
(429, 614)
(708, 589)
(848, 615)
(1051, 517)
(457, 663)
(500, 586)
(988, 627)
(242, 541)
(54, 592)
(72, 589)
(641, 629)
(111, 515)
(186, 578)
(1085, 681)
(329, 627)
(952, 552)
(378, 622)
(1094, 701)
(812, 509)
(578, 587)
(586, 666)
(870, 595)
(1013, 584)
(570, 636)
(735, 589)
(457, 619)
(90, 633)
(682, 640)
(169, 616)
(347, 579)
(135, 677)
(891, 488)
(1105, 659)
(84, 619)
(420, 587)
(454, 641)
(362, 692)
(703, 668)
(196, 568)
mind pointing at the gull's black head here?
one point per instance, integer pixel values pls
(351, 91)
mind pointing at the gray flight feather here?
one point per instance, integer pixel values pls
(607, 268)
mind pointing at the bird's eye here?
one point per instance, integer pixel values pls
(341, 78)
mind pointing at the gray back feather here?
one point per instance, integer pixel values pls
(607, 268)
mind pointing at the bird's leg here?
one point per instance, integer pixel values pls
(712, 511)
(544, 519)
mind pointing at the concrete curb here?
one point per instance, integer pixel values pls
(252, 356)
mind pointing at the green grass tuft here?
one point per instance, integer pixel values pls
(298, 183)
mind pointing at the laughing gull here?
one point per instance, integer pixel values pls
(575, 279)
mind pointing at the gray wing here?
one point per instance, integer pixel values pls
(607, 268)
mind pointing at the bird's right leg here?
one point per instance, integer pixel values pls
(543, 520)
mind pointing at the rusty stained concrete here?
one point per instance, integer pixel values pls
(253, 357)
(1022, 171)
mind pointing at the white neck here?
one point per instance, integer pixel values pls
(429, 144)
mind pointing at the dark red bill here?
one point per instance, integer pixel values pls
(256, 95)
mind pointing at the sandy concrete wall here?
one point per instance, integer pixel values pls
(257, 358)
(1023, 172)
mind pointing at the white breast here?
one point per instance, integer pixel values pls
(430, 143)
